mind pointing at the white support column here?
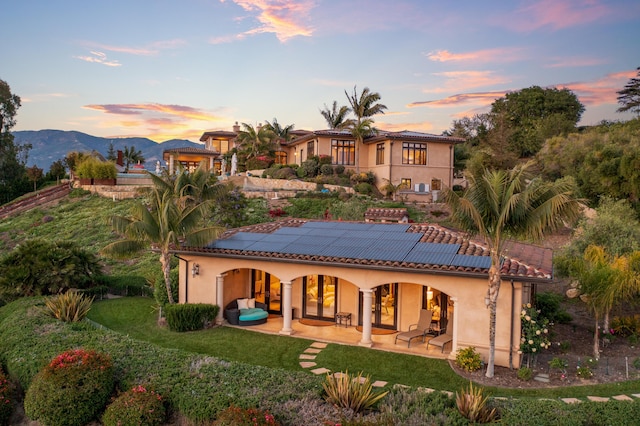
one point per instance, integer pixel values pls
(367, 302)
(220, 298)
(287, 310)
(454, 342)
(211, 164)
(171, 165)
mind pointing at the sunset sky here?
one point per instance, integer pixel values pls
(167, 69)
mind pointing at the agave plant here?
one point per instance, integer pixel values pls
(68, 307)
(472, 404)
(351, 392)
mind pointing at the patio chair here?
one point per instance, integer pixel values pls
(416, 330)
(442, 339)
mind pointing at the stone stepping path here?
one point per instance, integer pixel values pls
(306, 362)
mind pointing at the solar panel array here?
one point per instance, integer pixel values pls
(371, 241)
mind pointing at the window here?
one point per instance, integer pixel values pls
(343, 152)
(380, 153)
(310, 149)
(281, 157)
(414, 153)
(405, 183)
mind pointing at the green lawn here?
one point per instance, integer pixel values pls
(137, 317)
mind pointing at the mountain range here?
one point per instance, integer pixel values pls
(52, 145)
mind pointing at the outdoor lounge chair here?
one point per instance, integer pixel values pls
(416, 330)
(443, 339)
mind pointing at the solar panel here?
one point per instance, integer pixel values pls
(342, 251)
(297, 248)
(381, 254)
(471, 261)
(325, 232)
(429, 258)
(230, 244)
(292, 230)
(268, 246)
(400, 228)
(437, 247)
(353, 242)
(247, 236)
(393, 245)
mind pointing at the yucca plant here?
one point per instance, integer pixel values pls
(69, 307)
(472, 404)
(351, 392)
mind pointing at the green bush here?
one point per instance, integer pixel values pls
(137, 407)
(285, 173)
(125, 285)
(309, 168)
(104, 170)
(468, 359)
(549, 305)
(190, 316)
(236, 416)
(71, 390)
(326, 169)
(41, 267)
(363, 188)
(472, 404)
(6, 399)
(525, 374)
(160, 289)
(408, 406)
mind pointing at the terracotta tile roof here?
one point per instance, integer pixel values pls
(523, 262)
(191, 150)
(389, 214)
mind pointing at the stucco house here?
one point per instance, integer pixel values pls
(379, 274)
(422, 162)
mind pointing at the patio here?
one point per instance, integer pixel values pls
(347, 336)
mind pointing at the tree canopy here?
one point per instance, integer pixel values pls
(629, 97)
(13, 173)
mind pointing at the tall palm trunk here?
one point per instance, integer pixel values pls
(165, 260)
(494, 290)
(596, 338)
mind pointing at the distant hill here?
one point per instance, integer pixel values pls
(52, 145)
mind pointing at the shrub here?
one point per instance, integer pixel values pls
(124, 285)
(236, 416)
(626, 325)
(351, 392)
(549, 305)
(104, 170)
(309, 168)
(137, 407)
(277, 212)
(363, 188)
(41, 267)
(636, 363)
(68, 307)
(326, 169)
(584, 372)
(6, 399)
(160, 289)
(525, 374)
(411, 406)
(285, 173)
(339, 169)
(468, 359)
(472, 404)
(535, 332)
(71, 390)
(190, 316)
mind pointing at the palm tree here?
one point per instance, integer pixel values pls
(131, 156)
(363, 106)
(173, 217)
(503, 204)
(281, 134)
(255, 141)
(335, 117)
(605, 281)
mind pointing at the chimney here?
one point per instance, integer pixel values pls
(120, 159)
(236, 128)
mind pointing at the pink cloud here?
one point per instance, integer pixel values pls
(140, 109)
(555, 15)
(99, 58)
(575, 62)
(398, 127)
(603, 90)
(483, 98)
(465, 80)
(478, 56)
(284, 18)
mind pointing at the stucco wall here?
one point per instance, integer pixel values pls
(471, 316)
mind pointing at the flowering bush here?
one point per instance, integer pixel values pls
(277, 212)
(468, 359)
(535, 331)
(71, 390)
(138, 406)
(584, 372)
(6, 402)
(236, 416)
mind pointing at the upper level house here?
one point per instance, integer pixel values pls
(422, 162)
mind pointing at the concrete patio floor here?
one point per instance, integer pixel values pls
(340, 334)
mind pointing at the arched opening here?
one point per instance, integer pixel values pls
(319, 297)
(267, 289)
(384, 307)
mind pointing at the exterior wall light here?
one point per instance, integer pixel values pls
(195, 269)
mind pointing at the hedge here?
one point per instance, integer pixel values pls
(190, 316)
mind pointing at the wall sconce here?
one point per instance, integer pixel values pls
(195, 270)
(429, 294)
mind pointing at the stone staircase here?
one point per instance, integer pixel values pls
(34, 200)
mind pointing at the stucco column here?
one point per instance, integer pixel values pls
(220, 298)
(287, 312)
(211, 166)
(454, 342)
(367, 302)
(171, 160)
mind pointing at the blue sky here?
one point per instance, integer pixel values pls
(173, 69)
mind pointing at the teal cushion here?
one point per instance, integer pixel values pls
(252, 314)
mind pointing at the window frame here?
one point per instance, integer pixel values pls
(414, 153)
